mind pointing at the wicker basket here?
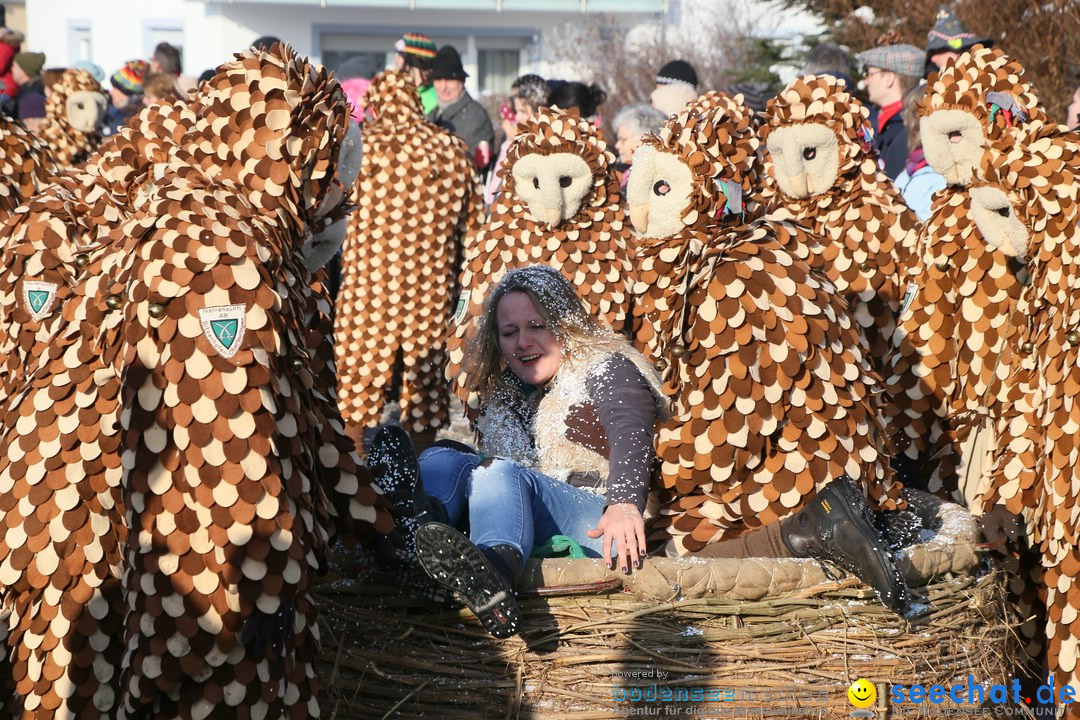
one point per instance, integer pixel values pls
(681, 638)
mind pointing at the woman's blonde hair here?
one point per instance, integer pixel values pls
(563, 312)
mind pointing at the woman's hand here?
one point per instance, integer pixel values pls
(623, 524)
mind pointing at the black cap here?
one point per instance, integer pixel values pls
(447, 65)
(677, 71)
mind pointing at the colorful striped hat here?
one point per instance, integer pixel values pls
(129, 78)
(416, 44)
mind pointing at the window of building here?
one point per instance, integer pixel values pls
(80, 46)
(498, 69)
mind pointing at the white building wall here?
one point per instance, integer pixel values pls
(209, 31)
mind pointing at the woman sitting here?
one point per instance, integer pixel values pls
(568, 410)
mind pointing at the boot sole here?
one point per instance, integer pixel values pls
(450, 559)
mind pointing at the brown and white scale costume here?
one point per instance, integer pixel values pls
(821, 171)
(417, 196)
(25, 164)
(1025, 200)
(947, 345)
(73, 114)
(772, 394)
(559, 206)
(60, 445)
(227, 470)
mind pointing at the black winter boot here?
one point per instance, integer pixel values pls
(837, 526)
(393, 462)
(450, 559)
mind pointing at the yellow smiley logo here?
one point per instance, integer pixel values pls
(862, 693)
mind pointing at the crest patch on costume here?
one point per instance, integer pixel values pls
(462, 307)
(38, 297)
(909, 297)
(223, 326)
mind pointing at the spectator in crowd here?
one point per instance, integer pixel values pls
(95, 70)
(586, 98)
(415, 55)
(918, 182)
(30, 98)
(125, 91)
(948, 40)
(166, 60)
(457, 111)
(10, 43)
(755, 94)
(355, 77)
(829, 59)
(265, 42)
(676, 86)
(889, 72)
(630, 124)
(1072, 113)
(527, 94)
(159, 88)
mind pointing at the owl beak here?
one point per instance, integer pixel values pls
(639, 217)
(554, 217)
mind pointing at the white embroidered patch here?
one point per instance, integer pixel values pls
(462, 307)
(909, 297)
(223, 326)
(38, 297)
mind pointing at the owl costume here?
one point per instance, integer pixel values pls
(25, 164)
(821, 171)
(772, 395)
(560, 206)
(212, 426)
(416, 198)
(74, 111)
(60, 449)
(1025, 201)
(946, 349)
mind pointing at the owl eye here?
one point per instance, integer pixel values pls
(536, 182)
(661, 188)
(565, 181)
(809, 153)
(1003, 211)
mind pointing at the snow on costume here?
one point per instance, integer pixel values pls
(560, 206)
(821, 171)
(772, 394)
(417, 196)
(74, 111)
(25, 163)
(1025, 201)
(941, 376)
(187, 391)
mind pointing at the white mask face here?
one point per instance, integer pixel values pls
(552, 186)
(805, 159)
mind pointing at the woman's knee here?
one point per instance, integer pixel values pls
(495, 473)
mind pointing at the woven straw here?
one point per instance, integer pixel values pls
(744, 627)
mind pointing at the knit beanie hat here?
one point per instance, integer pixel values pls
(949, 34)
(677, 71)
(30, 62)
(129, 78)
(93, 68)
(416, 44)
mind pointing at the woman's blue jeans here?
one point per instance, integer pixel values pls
(509, 504)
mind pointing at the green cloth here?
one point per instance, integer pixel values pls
(559, 546)
(428, 98)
